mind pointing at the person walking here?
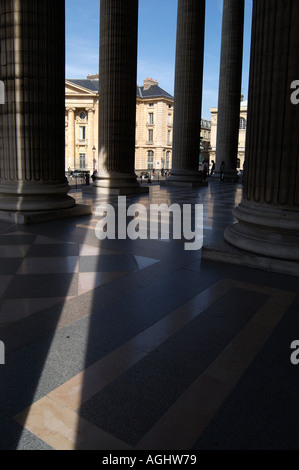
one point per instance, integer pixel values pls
(213, 168)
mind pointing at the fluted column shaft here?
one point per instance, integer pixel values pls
(269, 213)
(32, 128)
(230, 83)
(188, 90)
(118, 74)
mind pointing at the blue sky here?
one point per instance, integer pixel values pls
(156, 44)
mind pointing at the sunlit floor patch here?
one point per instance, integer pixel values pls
(58, 421)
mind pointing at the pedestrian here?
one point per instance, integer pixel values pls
(213, 168)
(93, 176)
(222, 169)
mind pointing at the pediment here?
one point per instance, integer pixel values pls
(74, 89)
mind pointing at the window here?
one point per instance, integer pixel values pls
(169, 119)
(151, 118)
(169, 138)
(82, 132)
(82, 116)
(82, 158)
(242, 123)
(150, 136)
(151, 105)
(150, 160)
(167, 163)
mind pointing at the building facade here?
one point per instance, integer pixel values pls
(242, 134)
(154, 126)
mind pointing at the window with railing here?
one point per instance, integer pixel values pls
(167, 161)
(150, 136)
(82, 161)
(150, 119)
(242, 124)
(150, 160)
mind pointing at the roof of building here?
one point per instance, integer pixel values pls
(152, 92)
(92, 85)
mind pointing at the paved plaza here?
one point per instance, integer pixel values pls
(122, 344)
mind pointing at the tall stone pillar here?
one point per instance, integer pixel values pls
(32, 122)
(117, 113)
(90, 112)
(71, 136)
(268, 217)
(188, 92)
(230, 84)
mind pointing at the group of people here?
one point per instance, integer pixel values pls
(166, 173)
(205, 170)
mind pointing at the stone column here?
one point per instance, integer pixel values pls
(117, 112)
(230, 84)
(268, 217)
(188, 92)
(71, 135)
(32, 122)
(90, 112)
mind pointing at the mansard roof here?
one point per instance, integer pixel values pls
(152, 92)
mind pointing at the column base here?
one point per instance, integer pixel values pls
(115, 191)
(26, 218)
(184, 184)
(186, 178)
(223, 252)
(265, 231)
(116, 184)
(230, 176)
(35, 197)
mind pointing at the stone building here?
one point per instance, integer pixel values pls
(154, 125)
(242, 134)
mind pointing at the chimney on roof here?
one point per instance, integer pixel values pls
(93, 77)
(242, 98)
(148, 82)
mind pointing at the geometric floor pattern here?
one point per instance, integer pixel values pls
(142, 345)
(58, 419)
(31, 263)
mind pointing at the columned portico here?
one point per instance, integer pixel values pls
(117, 113)
(230, 88)
(33, 185)
(268, 217)
(188, 92)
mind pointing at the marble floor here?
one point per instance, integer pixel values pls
(140, 344)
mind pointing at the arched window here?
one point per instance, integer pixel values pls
(242, 123)
(150, 160)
